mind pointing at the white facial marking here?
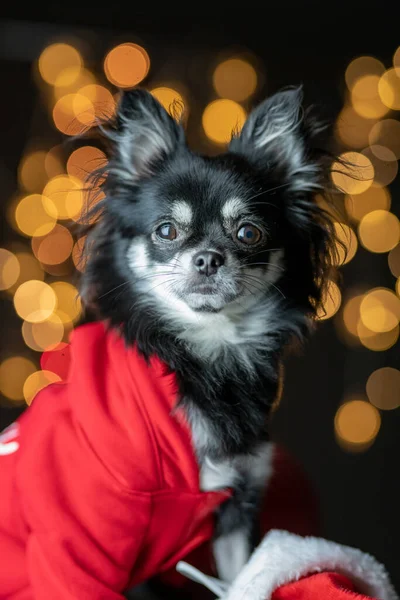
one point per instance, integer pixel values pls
(182, 213)
(233, 209)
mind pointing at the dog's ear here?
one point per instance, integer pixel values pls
(145, 135)
(276, 136)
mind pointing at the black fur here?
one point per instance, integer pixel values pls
(140, 183)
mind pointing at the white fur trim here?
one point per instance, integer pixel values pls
(283, 557)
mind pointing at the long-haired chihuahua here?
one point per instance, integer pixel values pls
(215, 264)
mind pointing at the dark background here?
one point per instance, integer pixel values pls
(309, 43)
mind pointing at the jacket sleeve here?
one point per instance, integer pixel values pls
(86, 527)
(72, 559)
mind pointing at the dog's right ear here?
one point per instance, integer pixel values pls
(145, 135)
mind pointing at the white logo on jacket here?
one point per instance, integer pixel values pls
(8, 443)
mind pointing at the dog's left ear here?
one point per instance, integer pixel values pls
(276, 136)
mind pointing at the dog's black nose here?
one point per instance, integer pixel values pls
(208, 262)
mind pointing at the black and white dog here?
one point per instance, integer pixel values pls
(215, 265)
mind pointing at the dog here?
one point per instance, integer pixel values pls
(215, 265)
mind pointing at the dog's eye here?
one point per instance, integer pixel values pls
(249, 234)
(167, 231)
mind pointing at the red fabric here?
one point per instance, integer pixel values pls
(322, 586)
(103, 490)
(100, 486)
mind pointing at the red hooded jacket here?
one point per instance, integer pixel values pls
(100, 484)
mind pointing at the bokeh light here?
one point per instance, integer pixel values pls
(78, 256)
(66, 112)
(365, 97)
(69, 305)
(35, 215)
(331, 302)
(93, 104)
(65, 193)
(375, 198)
(29, 268)
(357, 424)
(361, 66)
(389, 89)
(60, 63)
(394, 261)
(351, 314)
(9, 269)
(396, 58)
(383, 388)
(34, 301)
(44, 335)
(63, 88)
(379, 231)
(385, 133)
(221, 118)
(36, 382)
(380, 310)
(354, 175)
(378, 342)
(55, 247)
(235, 79)
(384, 164)
(126, 65)
(352, 129)
(347, 249)
(170, 99)
(53, 162)
(32, 173)
(84, 161)
(13, 374)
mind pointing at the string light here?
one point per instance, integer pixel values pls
(385, 133)
(9, 269)
(126, 65)
(13, 374)
(357, 424)
(379, 231)
(53, 248)
(60, 63)
(34, 301)
(394, 261)
(380, 310)
(346, 247)
(36, 215)
(235, 79)
(64, 195)
(353, 174)
(36, 382)
(383, 388)
(32, 173)
(331, 302)
(359, 205)
(361, 66)
(389, 89)
(170, 99)
(44, 335)
(221, 118)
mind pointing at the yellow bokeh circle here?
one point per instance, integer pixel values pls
(221, 118)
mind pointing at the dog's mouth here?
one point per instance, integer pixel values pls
(205, 289)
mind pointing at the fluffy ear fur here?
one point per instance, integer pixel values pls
(145, 134)
(276, 135)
